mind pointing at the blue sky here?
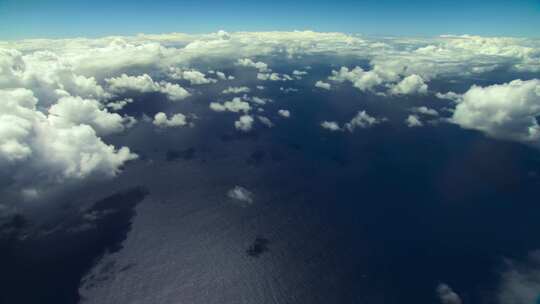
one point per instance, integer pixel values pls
(63, 18)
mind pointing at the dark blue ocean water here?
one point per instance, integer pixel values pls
(381, 215)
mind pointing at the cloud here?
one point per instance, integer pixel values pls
(265, 121)
(177, 120)
(145, 84)
(240, 194)
(284, 113)
(330, 125)
(506, 111)
(257, 100)
(39, 148)
(221, 75)
(193, 76)
(360, 79)
(273, 77)
(235, 105)
(260, 66)
(323, 85)
(413, 121)
(236, 90)
(362, 120)
(71, 110)
(425, 111)
(412, 84)
(244, 123)
(298, 74)
(520, 281)
(119, 104)
(288, 90)
(447, 295)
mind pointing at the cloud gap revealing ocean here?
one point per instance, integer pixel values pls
(270, 167)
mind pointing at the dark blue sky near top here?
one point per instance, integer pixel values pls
(62, 18)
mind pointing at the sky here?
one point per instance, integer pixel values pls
(63, 18)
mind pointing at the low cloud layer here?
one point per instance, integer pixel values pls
(73, 91)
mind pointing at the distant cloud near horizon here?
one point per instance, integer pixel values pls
(80, 88)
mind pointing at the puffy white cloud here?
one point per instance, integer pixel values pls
(360, 79)
(124, 83)
(177, 120)
(193, 76)
(323, 85)
(41, 149)
(412, 84)
(240, 193)
(284, 113)
(362, 120)
(236, 90)
(265, 121)
(330, 125)
(76, 110)
(244, 123)
(413, 121)
(505, 111)
(235, 105)
(447, 295)
(173, 91)
(145, 84)
(261, 66)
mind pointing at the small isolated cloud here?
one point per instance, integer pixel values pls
(425, 111)
(288, 90)
(330, 125)
(412, 84)
(413, 121)
(265, 121)
(236, 105)
(257, 100)
(241, 194)
(323, 85)
(244, 123)
(299, 74)
(177, 120)
(236, 90)
(362, 120)
(447, 295)
(284, 113)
